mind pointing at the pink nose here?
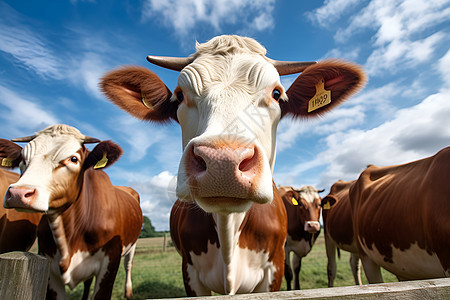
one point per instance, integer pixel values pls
(20, 197)
(312, 226)
(223, 171)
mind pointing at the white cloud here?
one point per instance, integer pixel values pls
(139, 136)
(330, 11)
(157, 193)
(86, 71)
(414, 133)
(401, 39)
(402, 53)
(23, 115)
(184, 15)
(25, 45)
(337, 120)
(444, 68)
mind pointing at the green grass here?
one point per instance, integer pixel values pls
(157, 274)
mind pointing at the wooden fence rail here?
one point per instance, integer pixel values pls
(23, 275)
(434, 289)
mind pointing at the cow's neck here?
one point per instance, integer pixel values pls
(59, 236)
(228, 226)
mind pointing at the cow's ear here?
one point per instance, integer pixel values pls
(103, 155)
(10, 154)
(328, 202)
(141, 93)
(321, 87)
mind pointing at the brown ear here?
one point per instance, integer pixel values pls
(103, 155)
(340, 77)
(328, 202)
(140, 92)
(10, 154)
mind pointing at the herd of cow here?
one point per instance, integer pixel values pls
(231, 224)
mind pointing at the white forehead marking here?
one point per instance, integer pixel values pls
(308, 193)
(56, 143)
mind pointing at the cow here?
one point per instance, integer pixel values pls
(18, 230)
(229, 223)
(401, 218)
(303, 213)
(338, 229)
(88, 223)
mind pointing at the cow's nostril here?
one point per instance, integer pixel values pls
(29, 194)
(250, 161)
(199, 162)
(245, 165)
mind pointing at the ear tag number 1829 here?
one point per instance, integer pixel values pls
(321, 98)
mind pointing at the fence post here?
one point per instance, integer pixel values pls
(23, 275)
(164, 245)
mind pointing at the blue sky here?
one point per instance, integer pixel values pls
(52, 54)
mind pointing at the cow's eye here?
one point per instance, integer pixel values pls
(74, 159)
(180, 96)
(276, 94)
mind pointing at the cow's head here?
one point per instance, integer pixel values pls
(52, 166)
(229, 101)
(339, 191)
(308, 203)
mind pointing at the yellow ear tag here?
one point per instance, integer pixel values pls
(102, 162)
(294, 201)
(327, 205)
(6, 162)
(321, 98)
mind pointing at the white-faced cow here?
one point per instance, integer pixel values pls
(303, 213)
(401, 218)
(338, 227)
(229, 224)
(18, 230)
(89, 223)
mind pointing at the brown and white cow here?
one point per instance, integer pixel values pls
(18, 230)
(229, 224)
(401, 218)
(338, 228)
(303, 213)
(89, 223)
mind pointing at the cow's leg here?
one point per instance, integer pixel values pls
(87, 287)
(55, 288)
(355, 264)
(287, 269)
(128, 264)
(330, 248)
(109, 266)
(192, 284)
(297, 266)
(371, 269)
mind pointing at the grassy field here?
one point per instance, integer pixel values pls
(157, 274)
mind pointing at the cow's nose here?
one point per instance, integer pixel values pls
(224, 171)
(20, 197)
(312, 226)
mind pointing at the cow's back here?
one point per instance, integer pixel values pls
(17, 229)
(401, 216)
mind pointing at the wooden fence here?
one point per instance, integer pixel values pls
(434, 289)
(23, 275)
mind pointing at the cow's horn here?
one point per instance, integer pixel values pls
(321, 191)
(25, 139)
(90, 140)
(290, 67)
(172, 63)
